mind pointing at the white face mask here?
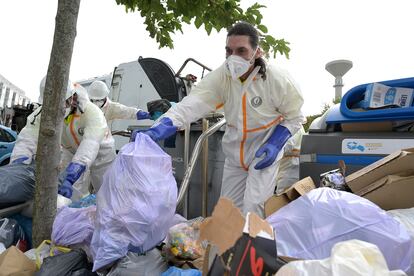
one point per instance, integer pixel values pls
(237, 66)
(99, 103)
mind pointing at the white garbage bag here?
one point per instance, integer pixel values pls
(309, 227)
(354, 257)
(406, 218)
(136, 203)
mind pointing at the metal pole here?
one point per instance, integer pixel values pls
(204, 172)
(193, 160)
(338, 88)
(6, 99)
(186, 160)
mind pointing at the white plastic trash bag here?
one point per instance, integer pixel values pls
(310, 226)
(74, 226)
(352, 257)
(136, 202)
(406, 218)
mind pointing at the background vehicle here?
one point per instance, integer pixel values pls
(7, 141)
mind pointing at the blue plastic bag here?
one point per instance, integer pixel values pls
(175, 271)
(84, 202)
(136, 202)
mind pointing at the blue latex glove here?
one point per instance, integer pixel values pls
(66, 189)
(156, 115)
(142, 115)
(272, 147)
(161, 131)
(20, 160)
(73, 173)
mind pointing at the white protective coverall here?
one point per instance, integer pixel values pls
(289, 165)
(252, 110)
(85, 140)
(116, 111)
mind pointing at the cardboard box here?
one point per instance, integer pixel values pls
(389, 182)
(395, 163)
(367, 126)
(391, 192)
(298, 189)
(378, 95)
(14, 262)
(243, 246)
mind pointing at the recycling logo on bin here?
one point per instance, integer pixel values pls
(355, 146)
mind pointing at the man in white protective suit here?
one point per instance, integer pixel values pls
(98, 94)
(86, 141)
(262, 107)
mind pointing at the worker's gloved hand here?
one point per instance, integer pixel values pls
(155, 115)
(66, 189)
(142, 115)
(272, 147)
(20, 160)
(73, 173)
(158, 132)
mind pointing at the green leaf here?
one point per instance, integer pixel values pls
(198, 22)
(263, 28)
(208, 28)
(270, 39)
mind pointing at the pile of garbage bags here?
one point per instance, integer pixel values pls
(130, 228)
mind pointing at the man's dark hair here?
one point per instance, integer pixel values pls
(244, 28)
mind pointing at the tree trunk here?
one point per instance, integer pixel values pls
(48, 149)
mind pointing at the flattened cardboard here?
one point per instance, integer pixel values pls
(298, 189)
(367, 126)
(14, 262)
(258, 225)
(393, 164)
(224, 227)
(391, 192)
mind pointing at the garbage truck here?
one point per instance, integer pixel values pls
(355, 134)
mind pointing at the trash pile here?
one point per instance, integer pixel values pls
(360, 224)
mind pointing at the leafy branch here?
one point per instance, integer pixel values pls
(165, 17)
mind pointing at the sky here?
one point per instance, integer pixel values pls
(375, 35)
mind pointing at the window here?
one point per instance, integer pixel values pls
(6, 137)
(10, 137)
(3, 137)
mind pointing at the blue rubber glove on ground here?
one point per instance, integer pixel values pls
(142, 115)
(20, 160)
(161, 131)
(272, 147)
(73, 173)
